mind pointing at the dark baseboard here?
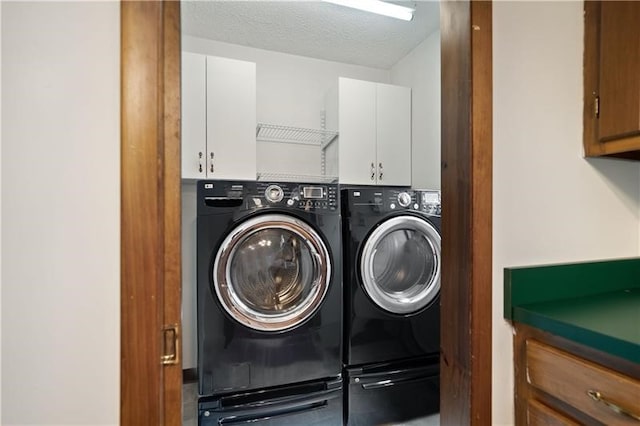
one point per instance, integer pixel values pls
(189, 375)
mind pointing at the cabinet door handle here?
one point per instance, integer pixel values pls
(597, 396)
(211, 164)
(381, 173)
(200, 162)
(373, 171)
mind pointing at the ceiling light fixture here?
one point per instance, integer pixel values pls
(379, 7)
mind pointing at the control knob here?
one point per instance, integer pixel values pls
(404, 199)
(274, 193)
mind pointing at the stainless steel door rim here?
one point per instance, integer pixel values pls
(272, 272)
(400, 264)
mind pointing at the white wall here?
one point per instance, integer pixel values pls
(420, 70)
(550, 204)
(60, 213)
(189, 277)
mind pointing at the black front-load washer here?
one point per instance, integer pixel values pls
(269, 285)
(392, 261)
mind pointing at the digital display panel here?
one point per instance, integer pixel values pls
(315, 192)
(431, 197)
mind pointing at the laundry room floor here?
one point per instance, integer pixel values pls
(190, 409)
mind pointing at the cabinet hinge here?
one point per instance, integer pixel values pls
(170, 345)
(596, 107)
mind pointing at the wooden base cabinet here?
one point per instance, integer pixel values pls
(559, 382)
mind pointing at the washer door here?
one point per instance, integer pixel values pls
(272, 272)
(400, 264)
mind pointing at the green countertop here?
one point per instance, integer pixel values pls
(596, 304)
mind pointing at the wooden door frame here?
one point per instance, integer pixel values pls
(467, 151)
(150, 212)
(150, 288)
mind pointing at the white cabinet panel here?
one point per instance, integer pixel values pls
(357, 126)
(194, 119)
(393, 147)
(218, 118)
(231, 119)
(374, 122)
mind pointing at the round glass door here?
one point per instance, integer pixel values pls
(272, 272)
(400, 264)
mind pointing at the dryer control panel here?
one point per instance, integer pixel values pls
(252, 195)
(388, 200)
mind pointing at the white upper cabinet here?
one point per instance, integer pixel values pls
(374, 124)
(194, 116)
(357, 130)
(393, 142)
(218, 118)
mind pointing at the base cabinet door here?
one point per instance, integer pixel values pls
(560, 382)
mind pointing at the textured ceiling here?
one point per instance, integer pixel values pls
(312, 28)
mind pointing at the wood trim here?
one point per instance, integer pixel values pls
(172, 204)
(150, 211)
(466, 32)
(455, 359)
(481, 209)
(618, 146)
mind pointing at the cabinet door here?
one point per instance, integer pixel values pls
(231, 119)
(357, 127)
(194, 120)
(619, 69)
(393, 118)
(611, 83)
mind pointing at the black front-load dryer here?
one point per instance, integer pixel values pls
(269, 285)
(392, 263)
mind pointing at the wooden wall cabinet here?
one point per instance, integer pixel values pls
(612, 79)
(563, 383)
(218, 118)
(374, 124)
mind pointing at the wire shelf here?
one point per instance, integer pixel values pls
(284, 177)
(296, 135)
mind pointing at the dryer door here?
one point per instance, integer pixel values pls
(400, 264)
(272, 272)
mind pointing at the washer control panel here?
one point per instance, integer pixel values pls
(251, 195)
(303, 196)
